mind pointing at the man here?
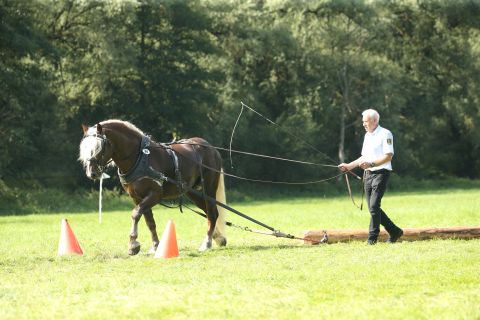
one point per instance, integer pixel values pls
(376, 160)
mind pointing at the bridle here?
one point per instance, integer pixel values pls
(97, 160)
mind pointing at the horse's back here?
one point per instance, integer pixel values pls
(198, 140)
(199, 149)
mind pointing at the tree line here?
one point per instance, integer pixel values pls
(185, 67)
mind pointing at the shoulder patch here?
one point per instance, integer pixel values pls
(389, 141)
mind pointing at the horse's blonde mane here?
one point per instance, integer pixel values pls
(89, 146)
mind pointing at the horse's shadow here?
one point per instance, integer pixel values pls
(252, 248)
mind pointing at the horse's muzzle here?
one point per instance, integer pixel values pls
(93, 172)
(93, 175)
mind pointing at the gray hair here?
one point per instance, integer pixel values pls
(372, 114)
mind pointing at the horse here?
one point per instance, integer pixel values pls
(146, 170)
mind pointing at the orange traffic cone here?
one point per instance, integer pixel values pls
(168, 247)
(68, 243)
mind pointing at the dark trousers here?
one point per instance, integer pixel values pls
(375, 186)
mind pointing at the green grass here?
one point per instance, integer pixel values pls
(255, 276)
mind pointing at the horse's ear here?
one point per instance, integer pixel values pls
(99, 128)
(85, 129)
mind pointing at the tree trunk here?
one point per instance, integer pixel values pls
(341, 145)
(343, 114)
(142, 58)
(409, 234)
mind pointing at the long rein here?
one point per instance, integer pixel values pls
(260, 156)
(345, 173)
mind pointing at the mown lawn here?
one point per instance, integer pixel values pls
(255, 276)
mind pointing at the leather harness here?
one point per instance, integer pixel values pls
(143, 169)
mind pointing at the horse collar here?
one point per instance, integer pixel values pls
(141, 168)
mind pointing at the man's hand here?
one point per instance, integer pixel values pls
(344, 167)
(365, 165)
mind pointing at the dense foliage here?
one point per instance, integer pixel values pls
(186, 66)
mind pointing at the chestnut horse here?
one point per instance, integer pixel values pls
(142, 167)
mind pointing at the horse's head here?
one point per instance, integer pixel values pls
(95, 151)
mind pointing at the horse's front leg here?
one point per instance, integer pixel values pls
(150, 221)
(134, 245)
(144, 207)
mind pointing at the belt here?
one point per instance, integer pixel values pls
(380, 171)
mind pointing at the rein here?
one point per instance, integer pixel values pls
(254, 154)
(262, 156)
(350, 191)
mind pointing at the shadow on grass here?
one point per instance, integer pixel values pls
(253, 248)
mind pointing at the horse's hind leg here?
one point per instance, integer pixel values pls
(208, 209)
(150, 221)
(219, 234)
(215, 189)
(212, 215)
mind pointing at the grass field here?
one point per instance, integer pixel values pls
(255, 276)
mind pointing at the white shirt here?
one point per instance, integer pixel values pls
(376, 144)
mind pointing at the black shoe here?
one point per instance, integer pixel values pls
(371, 242)
(393, 238)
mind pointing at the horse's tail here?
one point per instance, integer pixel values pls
(221, 197)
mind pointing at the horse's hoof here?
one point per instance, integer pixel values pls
(220, 241)
(206, 245)
(134, 248)
(204, 248)
(152, 250)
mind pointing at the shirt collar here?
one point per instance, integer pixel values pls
(375, 132)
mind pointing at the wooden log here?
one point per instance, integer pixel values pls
(409, 234)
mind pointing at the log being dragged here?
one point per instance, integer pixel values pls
(409, 234)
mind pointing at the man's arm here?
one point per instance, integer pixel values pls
(352, 165)
(364, 164)
(378, 162)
